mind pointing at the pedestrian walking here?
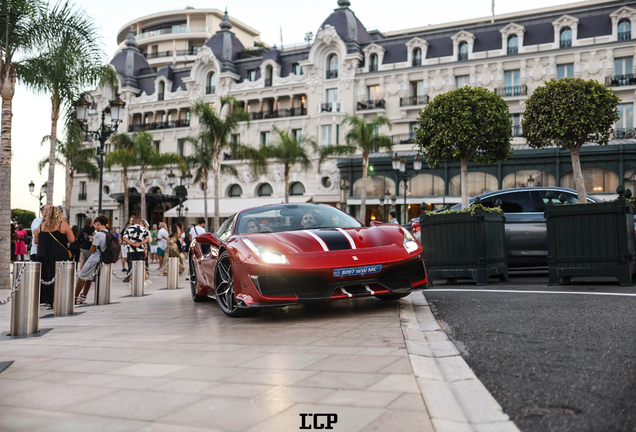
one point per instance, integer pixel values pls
(20, 246)
(173, 247)
(393, 218)
(199, 229)
(154, 259)
(87, 273)
(135, 237)
(86, 240)
(162, 242)
(34, 225)
(52, 237)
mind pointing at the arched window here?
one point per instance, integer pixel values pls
(513, 44)
(332, 66)
(624, 30)
(478, 183)
(162, 91)
(463, 51)
(597, 180)
(566, 37)
(528, 178)
(269, 76)
(417, 57)
(424, 185)
(297, 188)
(373, 63)
(265, 190)
(235, 191)
(377, 186)
(210, 88)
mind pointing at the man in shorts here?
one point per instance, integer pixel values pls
(162, 242)
(86, 274)
(135, 237)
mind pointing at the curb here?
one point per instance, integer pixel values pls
(455, 398)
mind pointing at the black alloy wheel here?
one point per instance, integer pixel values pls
(394, 296)
(224, 289)
(193, 284)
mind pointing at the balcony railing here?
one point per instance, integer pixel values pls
(170, 53)
(371, 105)
(513, 50)
(417, 62)
(462, 56)
(283, 112)
(620, 80)
(517, 131)
(210, 89)
(512, 91)
(257, 115)
(332, 74)
(567, 43)
(296, 112)
(328, 107)
(406, 138)
(414, 100)
(626, 133)
(81, 196)
(173, 29)
(624, 35)
(268, 82)
(160, 96)
(158, 125)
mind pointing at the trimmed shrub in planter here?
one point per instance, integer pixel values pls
(467, 243)
(594, 239)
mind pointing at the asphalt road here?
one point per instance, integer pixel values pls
(554, 362)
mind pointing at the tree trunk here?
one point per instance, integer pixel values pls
(363, 193)
(579, 183)
(55, 115)
(286, 183)
(142, 182)
(205, 199)
(216, 167)
(126, 198)
(69, 191)
(464, 180)
(7, 91)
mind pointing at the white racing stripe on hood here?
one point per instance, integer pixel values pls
(322, 243)
(346, 234)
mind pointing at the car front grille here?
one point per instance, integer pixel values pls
(404, 275)
(290, 286)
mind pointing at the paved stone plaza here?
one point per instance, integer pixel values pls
(163, 363)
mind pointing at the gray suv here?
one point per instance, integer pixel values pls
(526, 232)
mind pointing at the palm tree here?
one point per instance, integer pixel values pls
(74, 157)
(123, 157)
(70, 61)
(289, 151)
(364, 136)
(201, 161)
(147, 157)
(220, 127)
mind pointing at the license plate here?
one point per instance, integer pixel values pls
(357, 271)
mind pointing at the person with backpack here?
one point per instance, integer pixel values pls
(99, 246)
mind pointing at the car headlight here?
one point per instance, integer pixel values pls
(410, 244)
(266, 254)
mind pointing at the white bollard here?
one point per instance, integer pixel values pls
(173, 273)
(25, 304)
(63, 298)
(137, 278)
(102, 287)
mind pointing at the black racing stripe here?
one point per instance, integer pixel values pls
(334, 240)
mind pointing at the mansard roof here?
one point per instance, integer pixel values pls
(348, 26)
(130, 62)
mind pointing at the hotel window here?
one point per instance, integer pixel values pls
(626, 117)
(211, 87)
(265, 190)
(297, 134)
(235, 191)
(373, 63)
(265, 137)
(417, 57)
(157, 143)
(462, 81)
(624, 30)
(596, 180)
(463, 52)
(332, 66)
(513, 45)
(296, 69)
(624, 66)
(566, 37)
(565, 71)
(326, 135)
(512, 83)
(337, 134)
(373, 92)
(82, 191)
(181, 147)
(251, 75)
(236, 138)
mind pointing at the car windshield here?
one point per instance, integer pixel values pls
(290, 217)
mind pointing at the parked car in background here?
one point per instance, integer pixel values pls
(526, 231)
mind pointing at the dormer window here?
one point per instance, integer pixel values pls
(332, 66)
(624, 30)
(162, 91)
(565, 37)
(513, 45)
(463, 52)
(296, 69)
(417, 57)
(210, 88)
(373, 63)
(269, 76)
(251, 75)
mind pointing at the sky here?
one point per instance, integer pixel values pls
(32, 112)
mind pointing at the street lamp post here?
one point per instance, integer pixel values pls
(112, 115)
(43, 189)
(399, 165)
(183, 178)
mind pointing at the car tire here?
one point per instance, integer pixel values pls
(394, 296)
(224, 289)
(193, 285)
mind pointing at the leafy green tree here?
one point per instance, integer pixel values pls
(568, 113)
(364, 136)
(289, 150)
(70, 60)
(24, 217)
(470, 123)
(123, 157)
(219, 125)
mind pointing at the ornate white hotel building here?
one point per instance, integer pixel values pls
(167, 61)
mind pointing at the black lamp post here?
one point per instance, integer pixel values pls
(42, 193)
(183, 178)
(399, 165)
(112, 115)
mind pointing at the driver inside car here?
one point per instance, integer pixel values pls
(308, 220)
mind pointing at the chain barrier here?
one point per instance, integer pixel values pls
(52, 281)
(15, 287)
(122, 278)
(99, 266)
(159, 270)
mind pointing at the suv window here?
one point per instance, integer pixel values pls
(226, 228)
(515, 202)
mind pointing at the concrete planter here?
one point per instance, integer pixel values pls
(460, 245)
(594, 239)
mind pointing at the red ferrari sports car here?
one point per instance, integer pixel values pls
(286, 254)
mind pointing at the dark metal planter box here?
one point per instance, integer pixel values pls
(461, 245)
(594, 239)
